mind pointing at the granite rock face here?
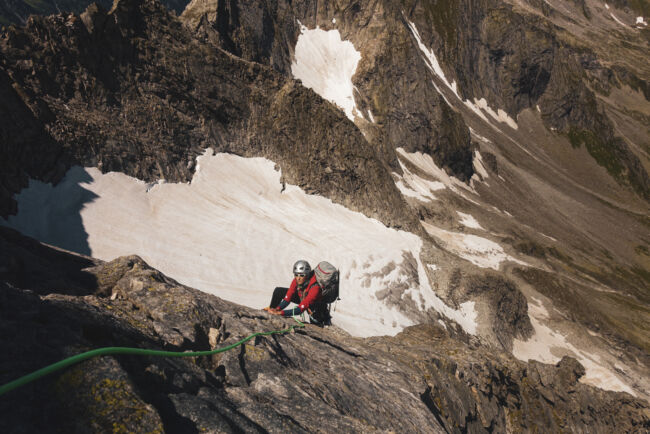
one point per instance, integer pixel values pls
(132, 90)
(406, 109)
(511, 57)
(18, 11)
(313, 379)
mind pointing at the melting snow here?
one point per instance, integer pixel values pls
(469, 221)
(617, 20)
(411, 185)
(478, 136)
(432, 61)
(326, 64)
(479, 168)
(548, 346)
(479, 251)
(478, 105)
(425, 163)
(499, 115)
(234, 233)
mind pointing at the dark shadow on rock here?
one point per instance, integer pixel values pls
(52, 215)
(26, 263)
(26, 148)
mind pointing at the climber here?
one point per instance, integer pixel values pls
(305, 292)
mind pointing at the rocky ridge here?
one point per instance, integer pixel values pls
(132, 90)
(18, 11)
(513, 58)
(425, 379)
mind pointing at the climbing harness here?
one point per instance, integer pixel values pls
(132, 351)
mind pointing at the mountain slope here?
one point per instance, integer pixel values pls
(422, 380)
(505, 143)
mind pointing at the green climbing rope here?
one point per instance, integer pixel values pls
(127, 350)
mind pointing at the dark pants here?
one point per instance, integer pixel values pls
(320, 313)
(278, 295)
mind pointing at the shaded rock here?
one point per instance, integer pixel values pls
(408, 111)
(314, 379)
(108, 90)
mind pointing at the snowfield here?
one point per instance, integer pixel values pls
(234, 233)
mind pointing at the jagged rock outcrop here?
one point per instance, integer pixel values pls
(312, 380)
(18, 11)
(407, 110)
(509, 56)
(132, 90)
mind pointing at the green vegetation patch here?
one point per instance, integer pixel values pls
(603, 152)
(104, 404)
(642, 250)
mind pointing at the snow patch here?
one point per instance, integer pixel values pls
(412, 185)
(548, 346)
(426, 164)
(469, 221)
(549, 237)
(479, 251)
(478, 105)
(641, 21)
(231, 232)
(617, 20)
(333, 20)
(234, 232)
(479, 167)
(326, 64)
(478, 136)
(432, 60)
(371, 117)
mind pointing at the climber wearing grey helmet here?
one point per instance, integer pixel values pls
(305, 292)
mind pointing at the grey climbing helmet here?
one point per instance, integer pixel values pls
(301, 267)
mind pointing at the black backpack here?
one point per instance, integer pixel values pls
(327, 277)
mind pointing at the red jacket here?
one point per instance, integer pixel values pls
(311, 294)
